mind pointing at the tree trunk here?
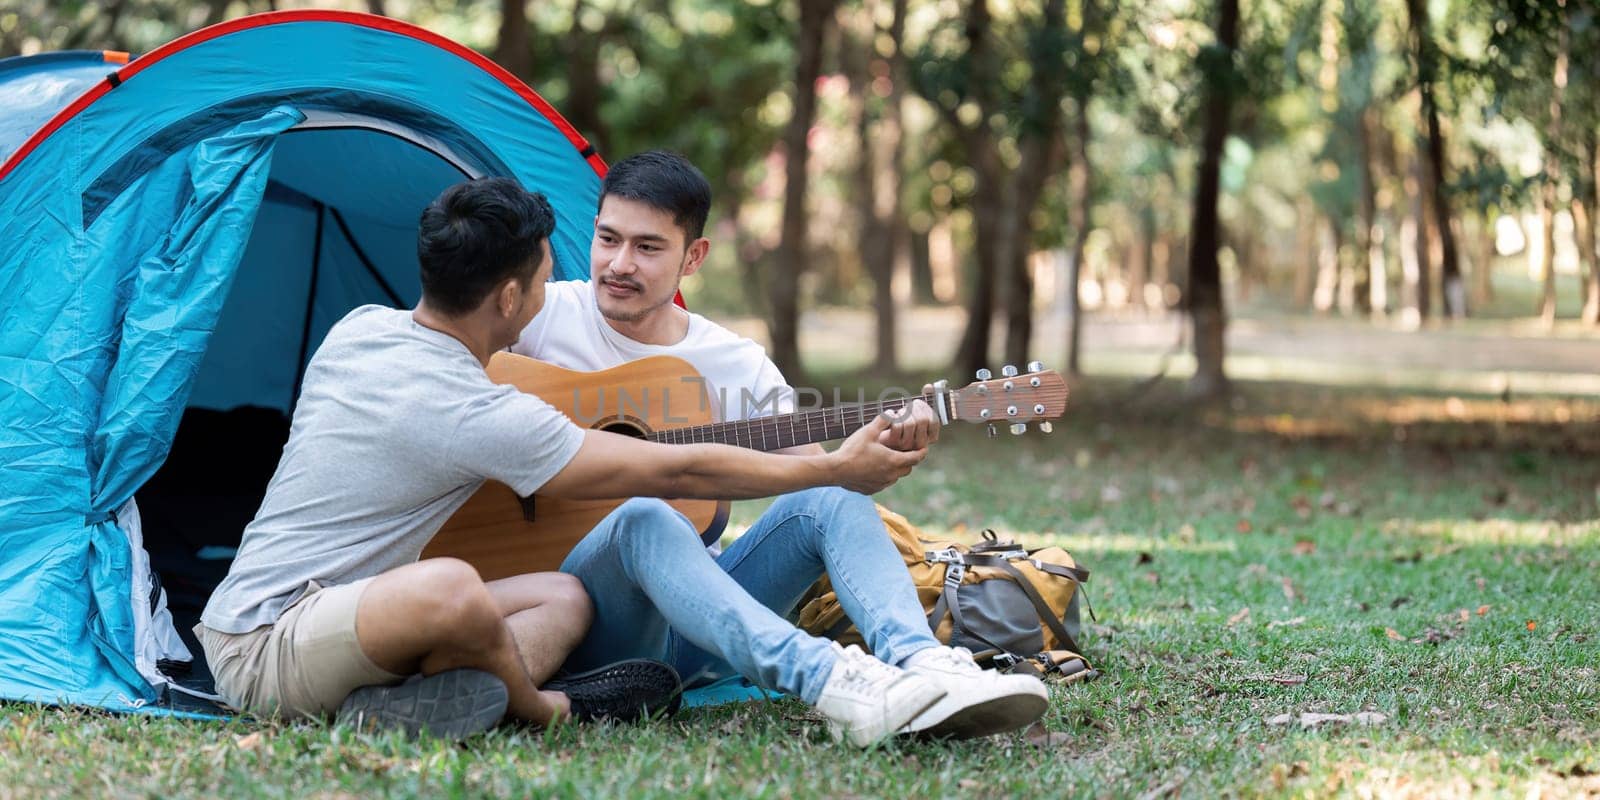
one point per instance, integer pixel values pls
(1552, 178)
(1483, 270)
(1204, 295)
(1079, 177)
(1143, 256)
(972, 353)
(921, 269)
(1583, 232)
(1418, 254)
(1452, 292)
(1305, 257)
(784, 323)
(886, 181)
(1586, 241)
(1370, 255)
(512, 50)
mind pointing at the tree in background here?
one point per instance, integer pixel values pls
(1434, 188)
(998, 86)
(1204, 298)
(784, 322)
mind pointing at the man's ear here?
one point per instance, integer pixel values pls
(505, 297)
(697, 256)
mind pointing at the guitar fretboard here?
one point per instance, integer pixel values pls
(785, 430)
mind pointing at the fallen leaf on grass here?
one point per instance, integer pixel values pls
(1483, 610)
(1433, 636)
(967, 783)
(1284, 623)
(1398, 602)
(248, 742)
(1310, 720)
(1393, 634)
(1289, 591)
(1304, 547)
(1532, 624)
(1281, 680)
(1244, 526)
(1244, 614)
(1037, 736)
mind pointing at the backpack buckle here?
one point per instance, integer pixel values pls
(949, 555)
(1006, 661)
(954, 573)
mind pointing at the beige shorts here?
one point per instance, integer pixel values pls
(302, 666)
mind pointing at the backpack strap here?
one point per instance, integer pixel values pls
(952, 580)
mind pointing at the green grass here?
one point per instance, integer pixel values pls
(1335, 517)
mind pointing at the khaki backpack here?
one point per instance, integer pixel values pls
(1015, 609)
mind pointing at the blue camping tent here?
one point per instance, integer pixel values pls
(177, 233)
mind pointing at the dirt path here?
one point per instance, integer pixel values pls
(1475, 356)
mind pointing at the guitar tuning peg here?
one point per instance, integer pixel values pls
(984, 374)
(1036, 366)
(1045, 427)
(992, 432)
(1019, 428)
(1009, 371)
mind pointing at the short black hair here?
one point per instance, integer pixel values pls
(476, 234)
(664, 181)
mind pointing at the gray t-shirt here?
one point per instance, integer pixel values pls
(396, 427)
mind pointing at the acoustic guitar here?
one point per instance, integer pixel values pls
(663, 399)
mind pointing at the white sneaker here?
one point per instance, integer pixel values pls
(977, 702)
(866, 700)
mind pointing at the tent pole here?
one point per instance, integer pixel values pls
(394, 297)
(311, 296)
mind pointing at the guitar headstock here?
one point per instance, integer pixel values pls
(1038, 395)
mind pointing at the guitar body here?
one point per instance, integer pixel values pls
(503, 535)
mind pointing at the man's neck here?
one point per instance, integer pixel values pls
(477, 338)
(663, 327)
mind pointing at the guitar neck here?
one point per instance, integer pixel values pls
(786, 430)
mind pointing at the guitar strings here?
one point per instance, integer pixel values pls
(802, 427)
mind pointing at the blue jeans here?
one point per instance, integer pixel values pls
(659, 594)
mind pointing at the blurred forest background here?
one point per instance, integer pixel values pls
(1401, 165)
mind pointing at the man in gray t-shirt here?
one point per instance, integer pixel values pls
(327, 607)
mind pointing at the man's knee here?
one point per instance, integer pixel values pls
(829, 502)
(456, 599)
(647, 519)
(571, 599)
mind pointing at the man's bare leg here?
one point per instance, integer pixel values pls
(438, 615)
(548, 614)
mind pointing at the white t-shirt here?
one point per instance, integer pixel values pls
(741, 381)
(396, 427)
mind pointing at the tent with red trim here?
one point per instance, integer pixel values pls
(177, 233)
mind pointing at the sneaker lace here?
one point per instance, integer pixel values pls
(863, 674)
(958, 659)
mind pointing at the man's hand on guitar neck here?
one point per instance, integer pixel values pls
(882, 452)
(915, 426)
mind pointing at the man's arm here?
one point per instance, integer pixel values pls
(610, 466)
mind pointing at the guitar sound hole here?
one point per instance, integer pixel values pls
(624, 428)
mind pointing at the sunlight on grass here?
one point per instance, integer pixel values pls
(1498, 531)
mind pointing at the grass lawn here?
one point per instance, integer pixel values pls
(1428, 559)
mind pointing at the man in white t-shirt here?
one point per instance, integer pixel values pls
(326, 606)
(650, 579)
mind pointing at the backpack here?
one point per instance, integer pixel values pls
(1015, 609)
